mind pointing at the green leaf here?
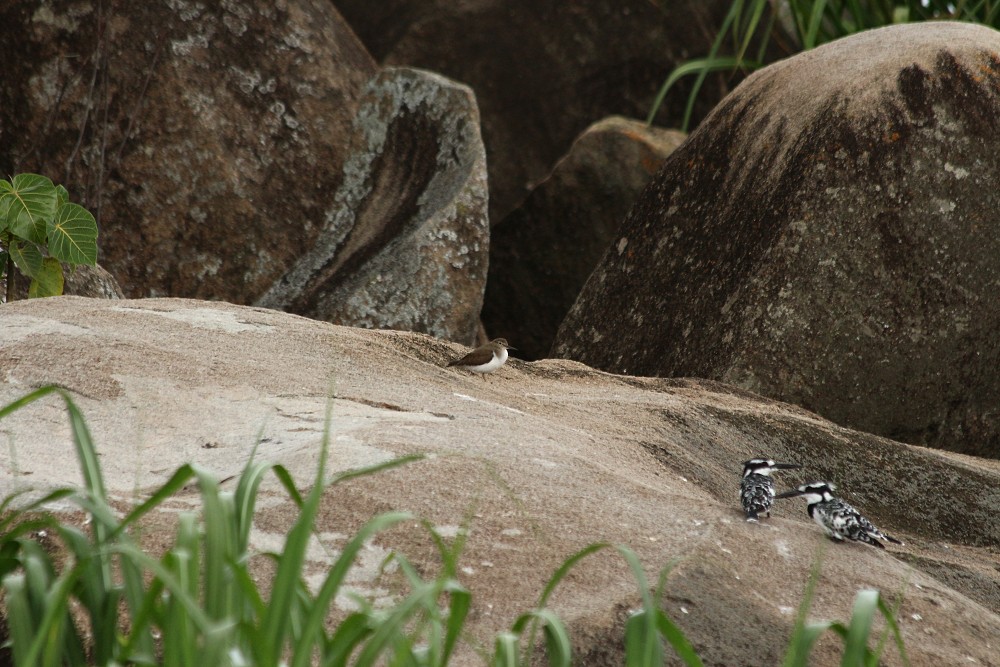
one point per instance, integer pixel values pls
(48, 281)
(62, 196)
(28, 203)
(856, 642)
(73, 235)
(27, 258)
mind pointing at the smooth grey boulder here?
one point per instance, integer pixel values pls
(405, 244)
(207, 138)
(827, 237)
(544, 251)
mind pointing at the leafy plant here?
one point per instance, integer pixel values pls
(855, 633)
(39, 228)
(800, 25)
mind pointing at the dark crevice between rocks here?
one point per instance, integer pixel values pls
(399, 176)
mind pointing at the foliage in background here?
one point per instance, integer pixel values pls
(104, 601)
(39, 228)
(753, 26)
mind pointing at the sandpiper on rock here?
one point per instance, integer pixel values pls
(486, 358)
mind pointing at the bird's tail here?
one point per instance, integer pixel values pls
(869, 539)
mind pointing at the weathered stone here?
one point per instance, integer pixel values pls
(91, 281)
(542, 253)
(405, 244)
(207, 138)
(827, 237)
(544, 70)
(538, 462)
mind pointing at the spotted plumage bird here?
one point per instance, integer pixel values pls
(486, 358)
(837, 518)
(757, 487)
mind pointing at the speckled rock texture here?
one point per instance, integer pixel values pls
(405, 243)
(544, 70)
(827, 237)
(207, 138)
(543, 252)
(538, 461)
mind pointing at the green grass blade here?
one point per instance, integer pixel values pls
(677, 640)
(642, 649)
(372, 469)
(567, 565)
(49, 618)
(218, 514)
(802, 640)
(751, 27)
(460, 601)
(20, 622)
(317, 613)
(7, 518)
(560, 653)
(644, 639)
(890, 620)
(394, 625)
(285, 478)
(246, 499)
(176, 482)
(348, 636)
(815, 20)
(272, 636)
(506, 650)
(859, 630)
(27, 399)
(554, 580)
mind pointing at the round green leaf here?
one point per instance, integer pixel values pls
(28, 203)
(73, 235)
(27, 257)
(49, 281)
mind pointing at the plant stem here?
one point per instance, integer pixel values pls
(11, 278)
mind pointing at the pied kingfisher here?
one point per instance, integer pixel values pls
(757, 487)
(837, 518)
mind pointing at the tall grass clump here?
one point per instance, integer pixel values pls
(101, 600)
(753, 28)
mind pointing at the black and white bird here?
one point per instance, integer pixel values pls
(837, 518)
(757, 487)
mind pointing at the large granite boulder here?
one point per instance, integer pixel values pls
(542, 253)
(827, 237)
(405, 243)
(537, 462)
(544, 70)
(207, 138)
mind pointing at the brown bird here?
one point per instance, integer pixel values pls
(486, 358)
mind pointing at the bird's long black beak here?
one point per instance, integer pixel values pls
(786, 466)
(790, 494)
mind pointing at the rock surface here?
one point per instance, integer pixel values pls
(543, 70)
(827, 238)
(542, 459)
(405, 243)
(543, 252)
(207, 138)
